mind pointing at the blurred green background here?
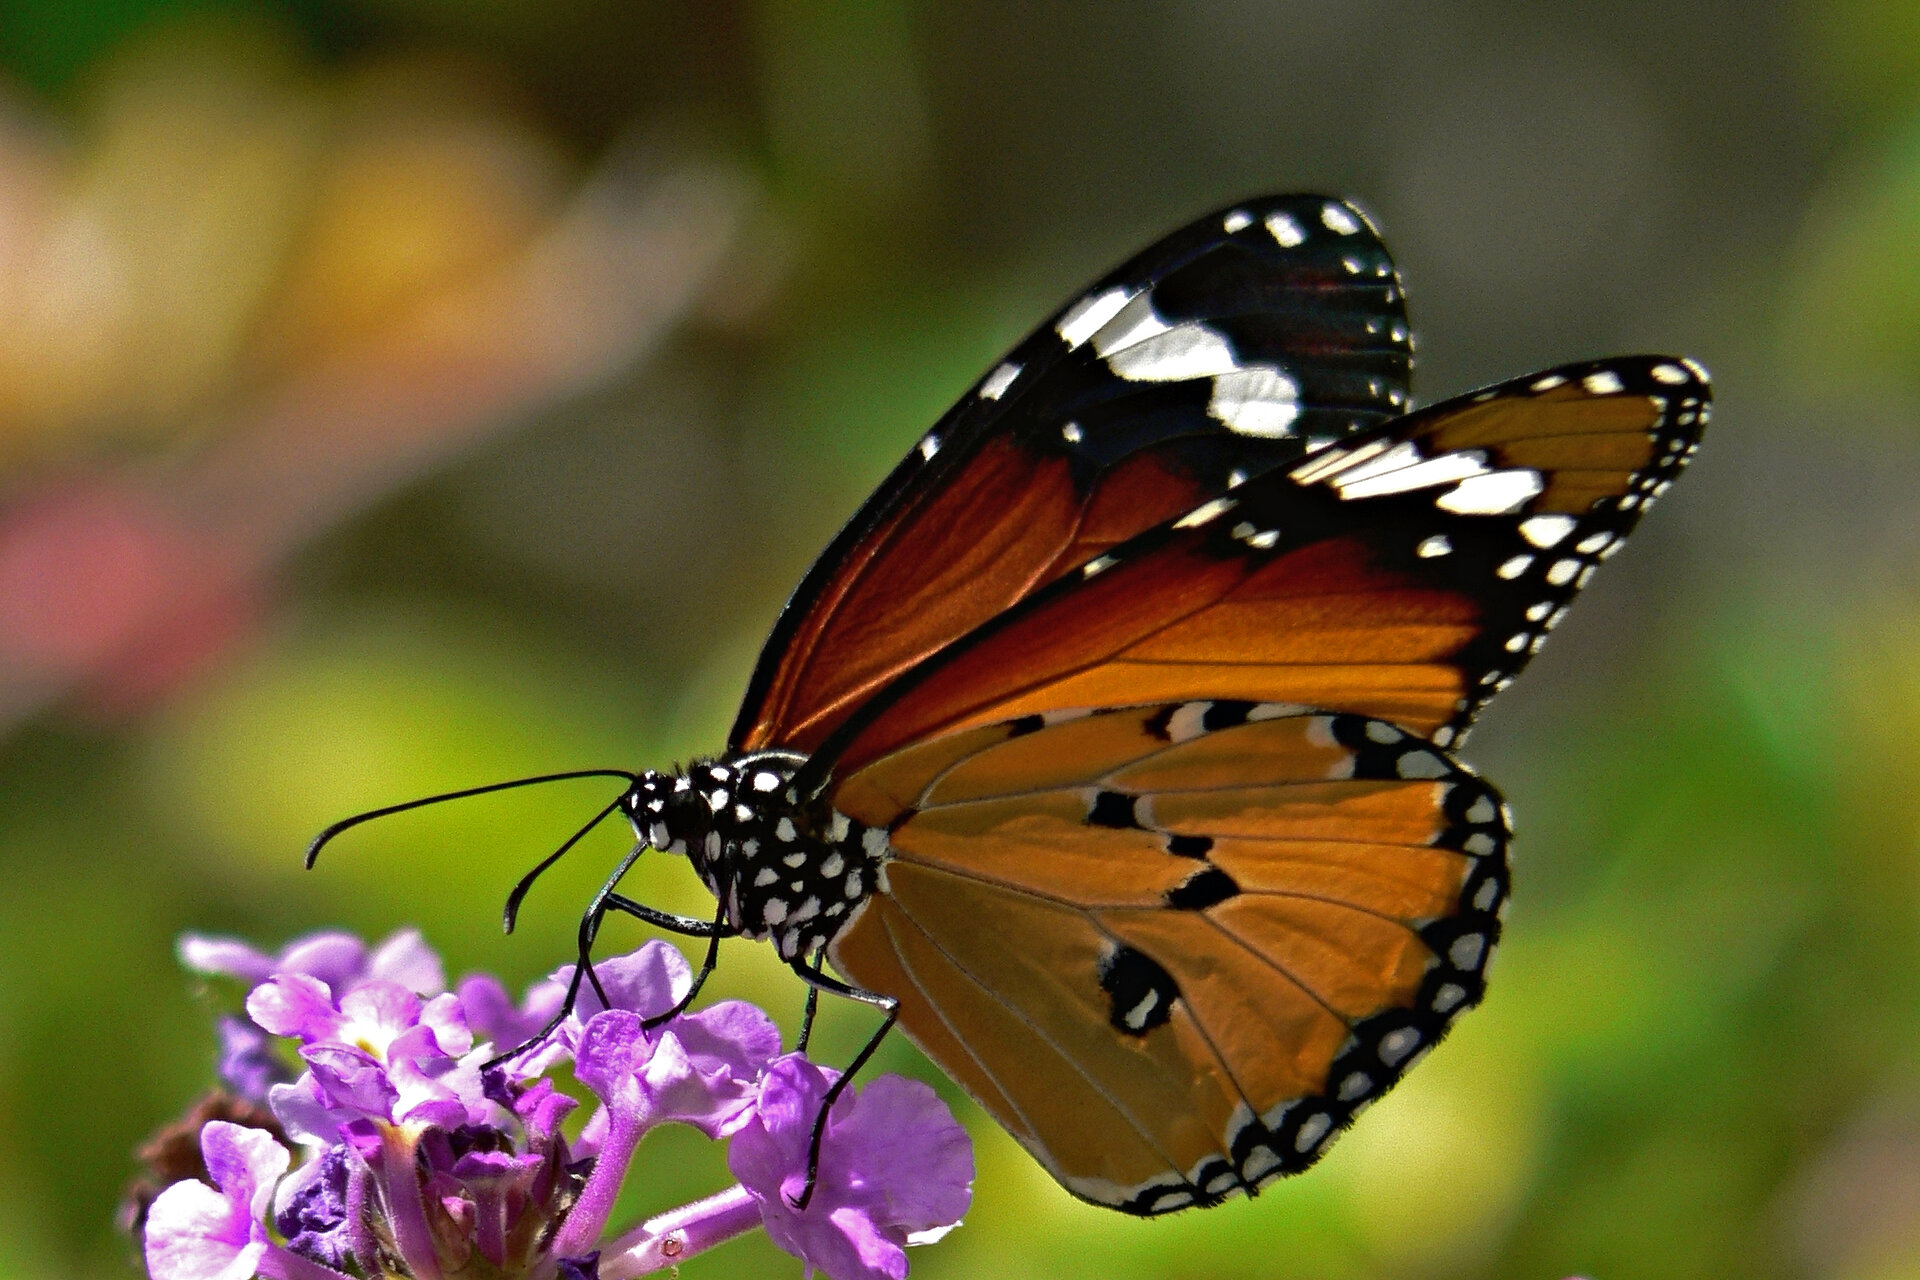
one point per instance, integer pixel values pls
(397, 395)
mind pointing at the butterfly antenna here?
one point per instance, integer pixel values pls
(520, 889)
(326, 837)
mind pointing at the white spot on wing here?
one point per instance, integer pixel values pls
(1546, 531)
(1497, 493)
(1604, 383)
(1085, 317)
(1437, 545)
(1671, 374)
(1548, 383)
(1205, 512)
(1339, 220)
(1285, 229)
(929, 445)
(1238, 220)
(999, 380)
(1381, 479)
(1185, 351)
(1257, 401)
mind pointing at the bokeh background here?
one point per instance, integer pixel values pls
(397, 395)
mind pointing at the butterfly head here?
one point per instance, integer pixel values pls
(787, 869)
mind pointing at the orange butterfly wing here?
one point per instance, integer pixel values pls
(1406, 574)
(1174, 949)
(1229, 347)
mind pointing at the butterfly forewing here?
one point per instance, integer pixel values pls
(1231, 347)
(1174, 949)
(1405, 574)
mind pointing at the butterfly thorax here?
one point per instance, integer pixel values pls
(785, 869)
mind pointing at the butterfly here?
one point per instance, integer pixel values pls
(1108, 747)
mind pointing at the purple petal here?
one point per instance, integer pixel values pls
(195, 1233)
(310, 1209)
(337, 959)
(893, 1166)
(351, 1080)
(247, 1063)
(380, 1012)
(613, 1049)
(406, 958)
(902, 1141)
(223, 958)
(295, 1005)
(305, 1112)
(648, 982)
(444, 1014)
(244, 1163)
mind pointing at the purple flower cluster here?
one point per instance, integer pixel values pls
(419, 1156)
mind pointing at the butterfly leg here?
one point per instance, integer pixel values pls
(813, 1004)
(821, 982)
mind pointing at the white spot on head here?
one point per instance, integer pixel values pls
(1238, 220)
(996, 383)
(1085, 317)
(1338, 219)
(785, 831)
(854, 883)
(1546, 531)
(1437, 545)
(765, 877)
(764, 781)
(774, 912)
(1257, 401)
(1205, 512)
(1672, 374)
(1604, 383)
(1498, 493)
(1285, 229)
(712, 845)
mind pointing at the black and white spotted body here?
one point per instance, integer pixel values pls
(786, 871)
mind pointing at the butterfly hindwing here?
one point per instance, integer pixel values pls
(1174, 949)
(1406, 574)
(1232, 346)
